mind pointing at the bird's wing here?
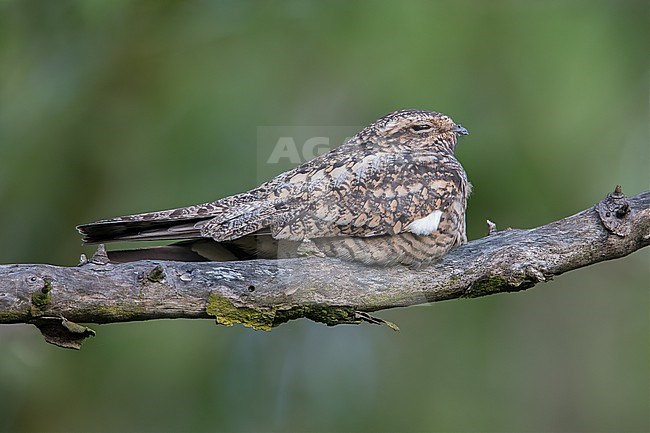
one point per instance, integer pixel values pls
(337, 194)
(382, 193)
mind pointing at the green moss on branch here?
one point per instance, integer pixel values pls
(265, 318)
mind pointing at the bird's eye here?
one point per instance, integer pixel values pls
(421, 127)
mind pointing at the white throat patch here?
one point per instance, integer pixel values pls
(426, 225)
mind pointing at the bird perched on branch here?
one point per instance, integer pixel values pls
(392, 194)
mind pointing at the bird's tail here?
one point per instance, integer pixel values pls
(181, 223)
(111, 231)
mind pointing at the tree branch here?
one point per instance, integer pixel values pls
(265, 293)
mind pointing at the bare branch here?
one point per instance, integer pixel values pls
(265, 293)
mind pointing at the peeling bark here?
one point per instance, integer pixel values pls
(266, 293)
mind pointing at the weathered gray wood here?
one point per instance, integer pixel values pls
(266, 293)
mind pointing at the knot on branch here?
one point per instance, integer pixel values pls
(615, 212)
(41, 298)
(99, 258)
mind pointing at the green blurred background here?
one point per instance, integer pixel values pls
(113, 107)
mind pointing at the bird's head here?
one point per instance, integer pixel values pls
(414, 129)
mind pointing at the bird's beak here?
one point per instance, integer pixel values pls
(460, 130)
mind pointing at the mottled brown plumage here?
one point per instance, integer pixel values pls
(393, 193)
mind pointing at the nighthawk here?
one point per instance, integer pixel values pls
(392, 194)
